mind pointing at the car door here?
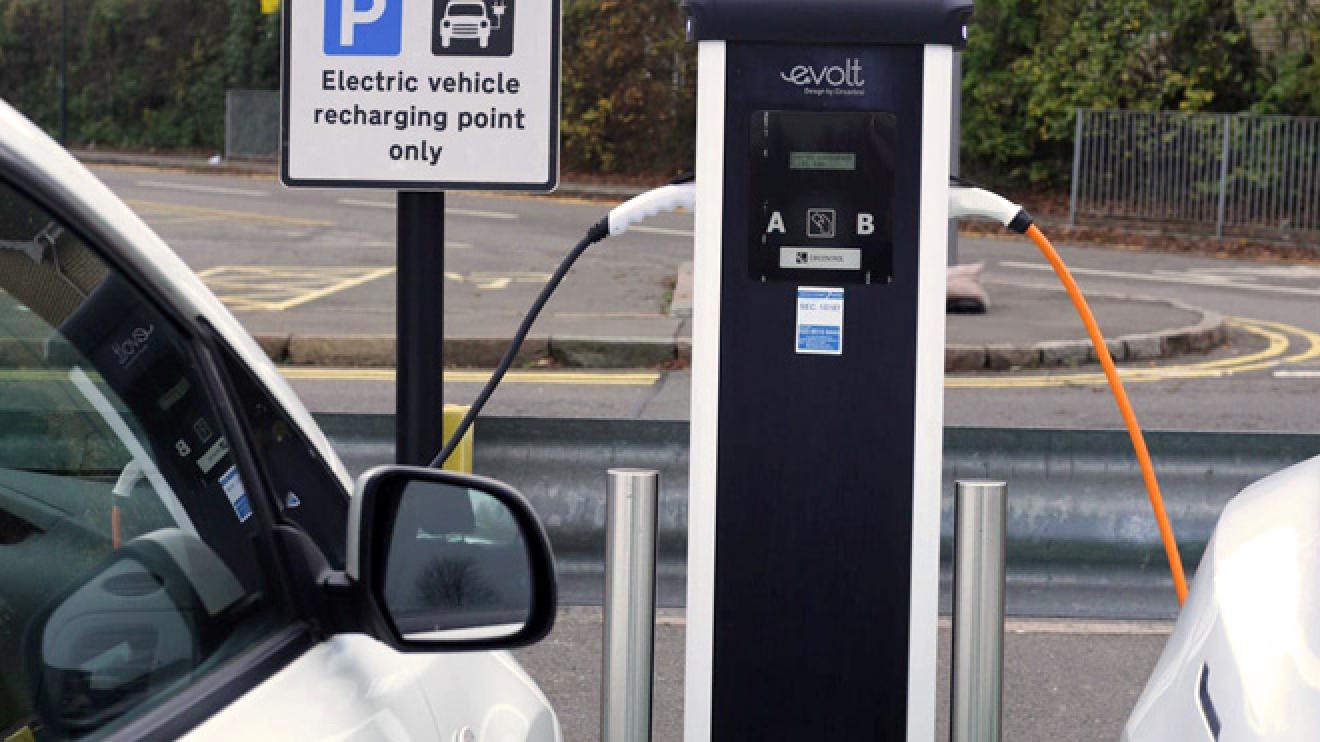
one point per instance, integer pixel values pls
(141, 590)
(169, 511)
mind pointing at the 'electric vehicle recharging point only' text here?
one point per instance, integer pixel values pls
(821, 241)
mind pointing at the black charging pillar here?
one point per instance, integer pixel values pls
(821, 247)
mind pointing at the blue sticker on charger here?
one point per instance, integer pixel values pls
(233, 487)
(819, 321)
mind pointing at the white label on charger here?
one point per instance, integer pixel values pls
(819, 321)
(820, 258)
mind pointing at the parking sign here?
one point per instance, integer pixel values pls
(363, 27)
(421, 94)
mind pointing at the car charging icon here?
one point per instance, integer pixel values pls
(474, 28)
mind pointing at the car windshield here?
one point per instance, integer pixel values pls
(467, 9)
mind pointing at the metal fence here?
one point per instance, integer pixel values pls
(252, 124)
(1235, 173)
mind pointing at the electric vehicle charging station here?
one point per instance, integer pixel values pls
(821, 243)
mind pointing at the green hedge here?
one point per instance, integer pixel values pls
(142, 73)
(152, 73)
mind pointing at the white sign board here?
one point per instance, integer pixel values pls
(421, 94)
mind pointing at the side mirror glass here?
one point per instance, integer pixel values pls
(451, 560)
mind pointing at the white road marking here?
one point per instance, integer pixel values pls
(1185, 279)
(167, 186)
(1053, 626)
(371, 204)
(1297, 374)
(383, 245)
(662, 230)
(502, 215)
(477, 213)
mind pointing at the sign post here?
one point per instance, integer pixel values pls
(420, 96)
(420, 328)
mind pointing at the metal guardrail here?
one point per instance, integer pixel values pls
(1079, 522)
(252, 124)
(1236, 172)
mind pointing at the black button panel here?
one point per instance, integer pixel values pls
(822, 186)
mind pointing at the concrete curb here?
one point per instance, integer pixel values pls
(681, 303)
(378, 351)
(1210, 332)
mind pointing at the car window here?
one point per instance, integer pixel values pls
(308, 493)
(126, 530)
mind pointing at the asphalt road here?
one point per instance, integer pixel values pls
(1063, 680)
(499, 249)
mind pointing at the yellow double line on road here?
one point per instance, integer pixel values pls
(1278, 337)
(580, 378)
(297, 373)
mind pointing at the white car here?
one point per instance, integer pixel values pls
(1243, 662)
(183, 553)
(465, 19)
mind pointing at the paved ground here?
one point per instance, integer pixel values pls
(496, 243)
(1063, 680)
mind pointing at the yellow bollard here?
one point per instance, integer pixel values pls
(461, 459)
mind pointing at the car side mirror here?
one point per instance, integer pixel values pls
(442, 560)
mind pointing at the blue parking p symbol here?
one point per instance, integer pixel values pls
(368, 28)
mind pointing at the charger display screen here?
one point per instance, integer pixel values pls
(822, 161)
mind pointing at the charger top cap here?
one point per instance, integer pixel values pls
(894, 22)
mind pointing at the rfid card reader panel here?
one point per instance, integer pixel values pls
(822, 186)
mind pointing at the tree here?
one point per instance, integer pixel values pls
(629, 87)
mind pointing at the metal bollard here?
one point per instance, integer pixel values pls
(978, 611)
(629, 646)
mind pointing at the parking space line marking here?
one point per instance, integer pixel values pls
(273, 288)
(662, 230)
(501, 215)
(1297, 374)
(219, 190)
(249, 216)
(563, 378)
(1184, 279)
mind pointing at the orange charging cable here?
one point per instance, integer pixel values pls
(1124, 407)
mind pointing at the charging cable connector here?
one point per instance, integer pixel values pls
(661, 200)
(967, 200)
